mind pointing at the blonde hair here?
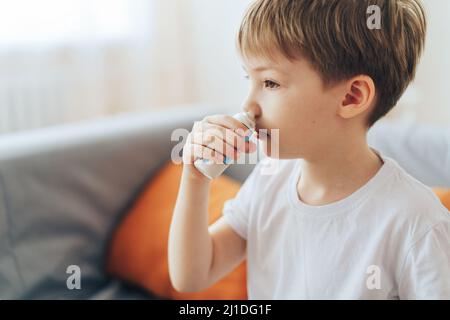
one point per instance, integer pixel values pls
(334, 37)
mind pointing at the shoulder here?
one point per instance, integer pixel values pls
(417, 207)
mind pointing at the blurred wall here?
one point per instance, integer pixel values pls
(431, 102)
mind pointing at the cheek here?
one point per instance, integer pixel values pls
(297, 115)
(304, 118)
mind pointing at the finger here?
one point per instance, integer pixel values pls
(192, 152)
(210, 140)
(228, 122)
(230, 137)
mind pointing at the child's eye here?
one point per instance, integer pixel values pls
(270, 84)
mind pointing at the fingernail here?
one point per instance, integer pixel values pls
(247, 138)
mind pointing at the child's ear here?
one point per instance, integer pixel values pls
(358, 96)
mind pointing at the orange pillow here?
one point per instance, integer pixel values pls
(138, 251)
(444, 195)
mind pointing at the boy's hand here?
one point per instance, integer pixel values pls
(219, 139)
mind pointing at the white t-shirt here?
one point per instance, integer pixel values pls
(388, 240)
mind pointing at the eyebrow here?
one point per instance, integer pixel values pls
(264, 68)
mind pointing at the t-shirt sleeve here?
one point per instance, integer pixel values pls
(426, 270)
(237, 210)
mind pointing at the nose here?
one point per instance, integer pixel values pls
(252, 106)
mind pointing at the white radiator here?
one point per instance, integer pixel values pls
(47, 89)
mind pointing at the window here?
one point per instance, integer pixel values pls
(42, 22)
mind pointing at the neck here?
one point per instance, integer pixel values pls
(337, 174)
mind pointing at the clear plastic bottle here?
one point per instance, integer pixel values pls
(213, 170)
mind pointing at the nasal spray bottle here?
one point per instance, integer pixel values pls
(213, 170)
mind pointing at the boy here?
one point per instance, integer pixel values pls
(338, 220)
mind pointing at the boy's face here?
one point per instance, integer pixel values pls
(289, 96)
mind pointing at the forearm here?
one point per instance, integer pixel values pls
(190, 244)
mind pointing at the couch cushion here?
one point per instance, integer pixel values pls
(139, 248)
(10, 280)
(444, 196)
(423, 150)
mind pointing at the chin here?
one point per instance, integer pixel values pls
(269, 149)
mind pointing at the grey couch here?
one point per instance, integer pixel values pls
(64, 189)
